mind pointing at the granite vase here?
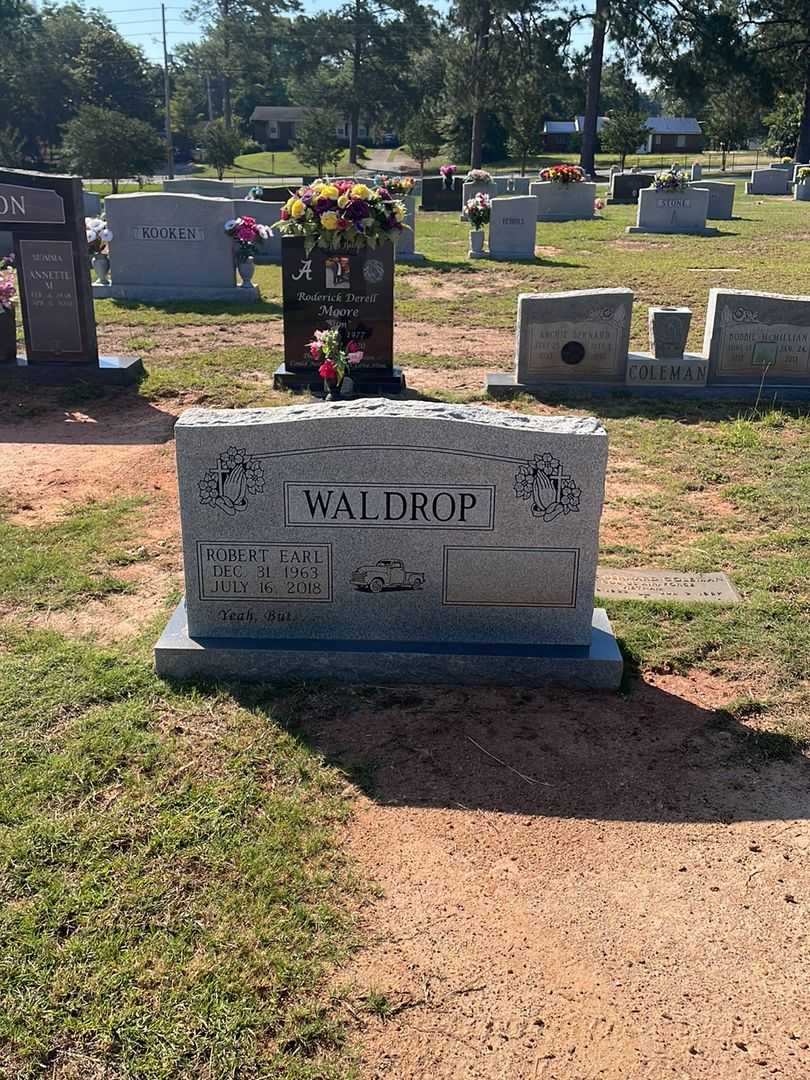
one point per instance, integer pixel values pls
(246, 268)
(8, 336)
(476, 241)
(101, 268)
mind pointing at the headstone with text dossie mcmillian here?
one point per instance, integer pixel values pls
(384, 541)
(325, 290)
(45, 215)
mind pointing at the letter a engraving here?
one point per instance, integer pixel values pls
(304, 271)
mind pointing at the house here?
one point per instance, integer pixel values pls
(275, 126)
(559, 134)
(677, 134)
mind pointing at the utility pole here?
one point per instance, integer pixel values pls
(210, 98)
(167, 94)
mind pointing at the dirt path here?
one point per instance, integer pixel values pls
(631, 903)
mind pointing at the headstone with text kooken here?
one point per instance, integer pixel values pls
(44, 214)
(755, 338)
(171, 247)
(569, 338)
(377, 541)
(672, 212)
(721, 199)
(512, 227)
(769, 182)
(325, 290)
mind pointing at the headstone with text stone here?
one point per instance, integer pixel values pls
(512, 227)
(45, 215)
(625, 186)
(569, 339)
(674, 211)
(756, 338)
(436, 195)
(721, 199)
(378, 541)
(172, 247)
(768, 182)
(326, 290)
(265, 213)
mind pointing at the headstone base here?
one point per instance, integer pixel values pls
(503, 386)
(157, 294)
(594, 667)
(366, 382)
(412, 257)
(644, 369)
(109, 371)
(709, 230)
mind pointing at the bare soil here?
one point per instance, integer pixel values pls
(572, 886)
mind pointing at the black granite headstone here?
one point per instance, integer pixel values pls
(45, 215)
(624, 187)
(436, 195)
(324, 290)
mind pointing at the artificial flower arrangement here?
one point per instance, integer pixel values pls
(336, 353)
(448, 173)
(562, 174)
(671, 180)
(342, 216)
(599, 204)
(248, 234)
(98, 236)
(479, 208)
(787, 161)
(8, 290)
(395, 185)
(478, 176)
(803, 175)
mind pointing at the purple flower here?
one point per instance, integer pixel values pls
(356, 210)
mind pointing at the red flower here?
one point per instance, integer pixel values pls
(352, 346)
(314, 350)
(327, 370)
(285, 215)
(342, 224)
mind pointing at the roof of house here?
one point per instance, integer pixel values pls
(580, 123)
(278, 112)
(559, 127)
(673, 125)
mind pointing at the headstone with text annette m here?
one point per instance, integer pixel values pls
(568, 339)
(324, 290)
(755, 338)
(172, 247)
(673, 211)
(378, 541)
(45, 215)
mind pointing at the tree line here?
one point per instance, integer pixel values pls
(475, 83)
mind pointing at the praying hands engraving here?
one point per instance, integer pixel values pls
(552, 492)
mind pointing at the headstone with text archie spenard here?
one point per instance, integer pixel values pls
(45, 215)
(326, 290)
(378, 541)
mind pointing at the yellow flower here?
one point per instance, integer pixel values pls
(343, 201)
(399, 213)
(289, 203)
(329, 220)
(329, 192)
(360, 191)
(297, 209)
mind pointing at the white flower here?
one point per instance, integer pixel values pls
(96, 224)
(106, 235)
(231, 224)
(91, 236)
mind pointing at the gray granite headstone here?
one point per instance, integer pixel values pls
(668, 329)
(801, 189)
(470, 189)
(564, 202)
(92, 203)
(513, 227)
(721, 199)
(672, 211)
(171, 247)
(406, 240)
(190, 185)
(756, 337)
(383, 541)
(696, 171)
(573, 337)
(265, 213)
(769, 182)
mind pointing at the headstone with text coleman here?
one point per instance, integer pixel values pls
(378, 541)
(324, 290)
(45, 215)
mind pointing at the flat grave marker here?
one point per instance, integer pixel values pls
(628, 584)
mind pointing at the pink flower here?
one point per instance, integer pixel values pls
(314, 350)
(352, 346)
(355, 357)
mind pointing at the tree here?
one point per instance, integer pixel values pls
(102, 143)
(113, 74)
(623, 133)
(601, 17)
(221, 145)
(12, 149)
(783, 126)
(526, 105)
(422, 138)
(316, 144)
(726, 124)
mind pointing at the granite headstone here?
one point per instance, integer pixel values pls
(436, 195)
(721, 199)
(377, 541)
(672, 212)
(757, 338)
(564, 202)
(191, 185)
(769, 182)
(625, 186)
(513, 227)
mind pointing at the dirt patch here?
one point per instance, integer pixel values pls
(425, 339)
(575, 885)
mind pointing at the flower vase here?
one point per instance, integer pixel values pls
(8, 336)
(476, 243)
(331, 389)
(448, 182)
(246, 269)
(101, 268)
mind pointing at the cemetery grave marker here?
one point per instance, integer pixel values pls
(437, 196)
(625, 186)
(721, 199)
(512, 227)
(406, 241)
(768, 182)
(673, 212)
(756, 337)
(378, 541)
(667, 364)
(564, 202)
(627, 584)
(45, 215)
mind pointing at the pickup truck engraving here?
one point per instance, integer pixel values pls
(386, 574)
